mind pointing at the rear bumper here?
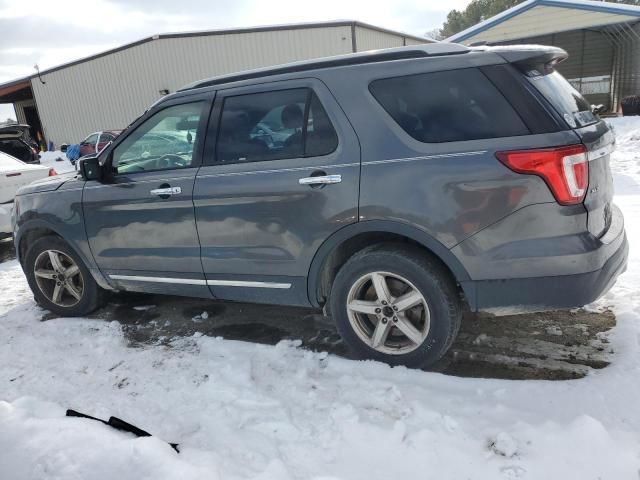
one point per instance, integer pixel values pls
(564, 271)
(548, 293)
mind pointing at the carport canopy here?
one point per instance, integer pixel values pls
(542, 17)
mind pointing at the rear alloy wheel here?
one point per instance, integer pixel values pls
(59, 279)
(388, 313)
(396, 304)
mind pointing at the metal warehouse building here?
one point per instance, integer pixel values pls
(110, 89)
(602, 39)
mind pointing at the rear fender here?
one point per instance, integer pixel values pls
(381, 226)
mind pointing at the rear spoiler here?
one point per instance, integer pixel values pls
(533, 60)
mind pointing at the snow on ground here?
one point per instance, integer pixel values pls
(51, 159)
(247, 411)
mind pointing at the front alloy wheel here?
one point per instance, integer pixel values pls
(59, 278)
(388, 313)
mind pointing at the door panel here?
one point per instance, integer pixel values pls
(258, 223)
(141, 226)
(130, 228)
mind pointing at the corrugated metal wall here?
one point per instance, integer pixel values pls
(367, 39)
(108, 92)
(19, 109)
(626, 71)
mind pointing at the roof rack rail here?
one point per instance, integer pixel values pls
(373, 56)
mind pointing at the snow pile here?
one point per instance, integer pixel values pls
(247, 411)
(56, 160)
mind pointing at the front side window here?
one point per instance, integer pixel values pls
(448, 106)
(164, 141)
(274, 125)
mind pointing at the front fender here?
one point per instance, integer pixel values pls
(57, 212)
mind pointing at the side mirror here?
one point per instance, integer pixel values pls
(90, 168)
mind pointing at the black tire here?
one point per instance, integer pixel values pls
(92, 296)
(427, 275)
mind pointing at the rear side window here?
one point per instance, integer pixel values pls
(564, 98)
(274, 125)
(448, 106)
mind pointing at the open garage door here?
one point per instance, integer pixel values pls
(19, 94)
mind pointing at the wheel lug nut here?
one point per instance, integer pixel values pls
(378, 310)
(384, 320)
(395, 319)
(384, 302)
(395, 308)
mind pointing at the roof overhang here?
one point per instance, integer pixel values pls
(16, 91)
(543, 17)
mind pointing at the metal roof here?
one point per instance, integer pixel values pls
(583, 5)
(229, 31)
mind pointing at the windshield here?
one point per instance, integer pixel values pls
(566, 99)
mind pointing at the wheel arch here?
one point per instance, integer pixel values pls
(350, 239)
(34, 229)
(30, 232)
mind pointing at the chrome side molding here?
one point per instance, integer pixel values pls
(197, 281)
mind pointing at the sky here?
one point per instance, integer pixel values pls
(51, 32)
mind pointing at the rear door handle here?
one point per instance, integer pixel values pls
(320, 180)
(166, 191)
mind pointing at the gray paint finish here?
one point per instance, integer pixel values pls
(254, 222)
(255, 219)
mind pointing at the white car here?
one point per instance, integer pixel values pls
(13, 175)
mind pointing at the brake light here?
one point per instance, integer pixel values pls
(564, 169)
(52, 172)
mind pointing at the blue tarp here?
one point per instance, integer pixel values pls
(73, 152)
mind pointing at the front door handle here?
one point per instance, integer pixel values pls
(320, 180)
(166, 192)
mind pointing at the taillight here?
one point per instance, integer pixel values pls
(52, 172)
(564, 169)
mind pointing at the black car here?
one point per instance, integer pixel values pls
(16, 140)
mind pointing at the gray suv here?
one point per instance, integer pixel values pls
(394, 189)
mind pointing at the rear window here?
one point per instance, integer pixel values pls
(448, 106)
(564, 98)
